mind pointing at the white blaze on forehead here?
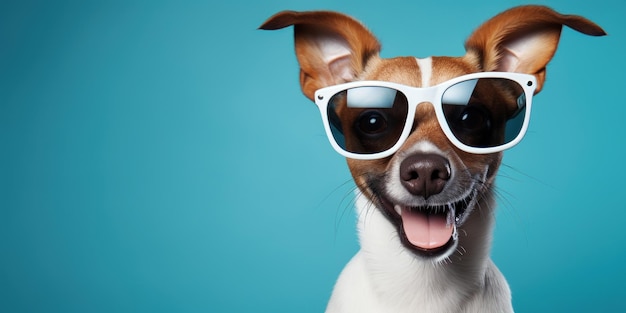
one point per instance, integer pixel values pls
(426, 68)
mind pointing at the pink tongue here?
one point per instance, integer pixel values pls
(426, 231)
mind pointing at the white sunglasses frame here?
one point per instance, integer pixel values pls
(416, 96)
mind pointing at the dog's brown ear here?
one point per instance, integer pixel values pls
(332, 48)
(524, 39)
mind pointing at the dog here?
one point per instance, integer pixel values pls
(424, 138)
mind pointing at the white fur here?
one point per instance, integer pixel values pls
(385, 277)
(426, 68)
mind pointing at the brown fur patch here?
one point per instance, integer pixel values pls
(405, 70)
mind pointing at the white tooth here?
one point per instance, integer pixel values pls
(455, 234)
(398, 209)
(450, 219)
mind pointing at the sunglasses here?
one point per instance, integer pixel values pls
(479, 113)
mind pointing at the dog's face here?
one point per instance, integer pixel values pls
(428, 188)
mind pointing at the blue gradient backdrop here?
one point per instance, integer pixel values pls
(159, 157)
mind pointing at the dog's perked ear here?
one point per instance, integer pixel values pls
(332, 48)
(524, 39)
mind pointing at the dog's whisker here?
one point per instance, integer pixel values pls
(346, 205)
(332, 192)
(371, 207)
(462, 248)
(534, 179)
(503, 198)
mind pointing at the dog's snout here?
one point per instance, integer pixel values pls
(425, 174)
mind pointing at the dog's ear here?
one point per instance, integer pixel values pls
(332, 48)
(524, 39)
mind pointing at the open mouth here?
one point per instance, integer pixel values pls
(429, 230)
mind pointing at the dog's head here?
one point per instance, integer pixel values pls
(427, 178)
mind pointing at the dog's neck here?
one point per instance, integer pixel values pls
(400, 276)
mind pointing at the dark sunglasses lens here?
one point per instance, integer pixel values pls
(367, 120)
(485, 112)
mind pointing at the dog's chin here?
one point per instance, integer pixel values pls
(429, 230)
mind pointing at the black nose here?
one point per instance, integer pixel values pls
(424, 174)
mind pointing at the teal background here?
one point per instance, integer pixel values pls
(158, 156)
